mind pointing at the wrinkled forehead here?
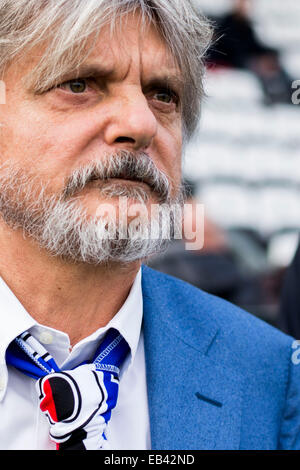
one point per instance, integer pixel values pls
(130, 41)
(133, 47)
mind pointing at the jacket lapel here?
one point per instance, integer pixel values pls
(194, 402)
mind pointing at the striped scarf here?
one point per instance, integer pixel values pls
(77, 403)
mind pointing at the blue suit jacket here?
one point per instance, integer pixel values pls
(218, 378)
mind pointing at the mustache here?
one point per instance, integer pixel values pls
(138, 167)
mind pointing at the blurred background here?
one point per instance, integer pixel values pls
(244, 163)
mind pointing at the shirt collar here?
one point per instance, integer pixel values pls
(15, 320)
(127, 321)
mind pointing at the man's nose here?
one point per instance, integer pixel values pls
(131, 124)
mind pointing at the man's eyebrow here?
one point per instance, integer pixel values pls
(82, 71)
(99, 70)
(89, 70)
(172, 81)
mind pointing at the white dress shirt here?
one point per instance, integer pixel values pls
(22, 424)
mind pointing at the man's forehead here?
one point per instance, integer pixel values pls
(107, 53)
(146, 51)
(130, 36)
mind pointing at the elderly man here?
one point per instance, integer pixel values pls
(96, 351)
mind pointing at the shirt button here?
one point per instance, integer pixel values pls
(46, 337)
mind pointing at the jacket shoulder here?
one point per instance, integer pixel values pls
(232, 321)
(255, 357)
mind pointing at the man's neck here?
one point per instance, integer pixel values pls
(74, 298)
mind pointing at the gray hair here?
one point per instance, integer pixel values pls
(60, 224)
(67, 26)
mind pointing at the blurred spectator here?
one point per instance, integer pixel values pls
(289, 317)
(237, 45)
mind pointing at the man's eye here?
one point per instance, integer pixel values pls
(166, 96)
(76, 86)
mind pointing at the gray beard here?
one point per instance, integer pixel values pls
(60, 225)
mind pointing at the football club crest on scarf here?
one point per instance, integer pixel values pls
(77, 403)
